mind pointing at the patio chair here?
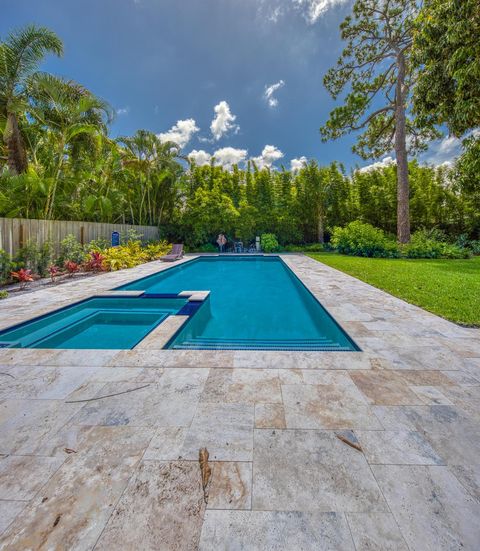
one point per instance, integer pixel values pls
(175, 254)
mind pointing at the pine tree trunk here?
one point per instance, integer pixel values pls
(403, 188)
(17, 156)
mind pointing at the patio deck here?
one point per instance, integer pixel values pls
(122, 472)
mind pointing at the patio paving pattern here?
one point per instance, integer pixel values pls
(122, 472)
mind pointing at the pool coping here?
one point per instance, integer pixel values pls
(310, 272)
(196, 297)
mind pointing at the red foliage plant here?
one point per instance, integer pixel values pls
(22, 276)
(53, 271)
(71, 267)
(95, 262)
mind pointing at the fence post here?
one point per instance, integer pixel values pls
(20, 235)
(82, 235)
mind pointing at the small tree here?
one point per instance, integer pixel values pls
(376, 65)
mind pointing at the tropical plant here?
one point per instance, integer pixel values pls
(54, 271)
(71, 267)
(23, 277)
(95, 262)
(20, 57)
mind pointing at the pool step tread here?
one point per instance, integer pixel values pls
(257, 344)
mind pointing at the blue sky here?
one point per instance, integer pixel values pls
(238, 78)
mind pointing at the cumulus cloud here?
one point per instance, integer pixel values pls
(270, 90)
(443, 151)
(269, 155)
(384, 163)
(229, 156)
(224, 120)
(200, 157)
(123, 110)
(297, 164)
(312, 10)
(180, 133)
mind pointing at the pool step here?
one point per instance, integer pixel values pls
(255, 344)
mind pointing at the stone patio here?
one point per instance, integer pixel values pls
(122, 472)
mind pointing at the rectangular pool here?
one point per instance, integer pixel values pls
(255, 302)
(101, 323)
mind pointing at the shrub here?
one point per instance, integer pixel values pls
(118, 258)
(428, 244)
(5, 266)
(309, 248)
(54, 271)
(45, 258)
(3, 294)
(23, 277)
(154, 251)
(474, 246)
(71, 267)
(28, 257)
(314, 248)
(360, 239)
(71, 249)
(132, 254)
(130, 235)
(95, 262)
(97, 245)
(208, 248)
(269, 243)
(464, 243)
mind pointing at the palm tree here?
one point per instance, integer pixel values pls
(154, 164)
(71, 116)
(20, 56)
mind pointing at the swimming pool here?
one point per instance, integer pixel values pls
(255, 302)
(100, 323)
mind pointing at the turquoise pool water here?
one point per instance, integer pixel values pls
(115, 323)
(255, 303)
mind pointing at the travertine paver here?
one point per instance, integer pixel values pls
(22, 476)
(162, 508)
(282, 531)
(231, 485)
(121, 472)
(375, 532)
(431, 507)
(313, 471)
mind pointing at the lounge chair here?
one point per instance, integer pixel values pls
(175, 254)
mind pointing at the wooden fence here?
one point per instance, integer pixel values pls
(16, 232)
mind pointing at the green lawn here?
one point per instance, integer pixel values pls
(449, 288)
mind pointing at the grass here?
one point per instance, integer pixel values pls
(448, 288)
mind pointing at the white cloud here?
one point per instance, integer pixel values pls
(312, 10)
(180, 133)
(269, 155)
(298, 164)
(123, 110)
(270, 90)
(384, 163)
(275, 14)
(200, 157)
(229, 156)
(223, 121)
(443, 151)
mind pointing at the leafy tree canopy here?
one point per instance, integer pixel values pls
(447, 54)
